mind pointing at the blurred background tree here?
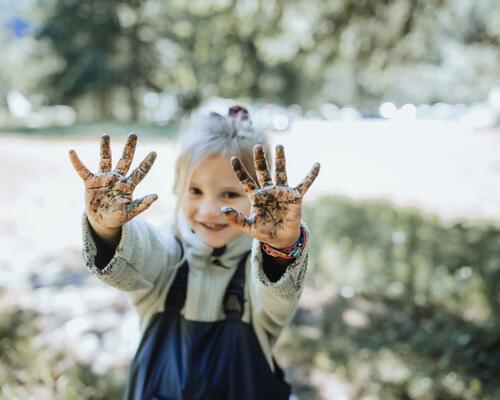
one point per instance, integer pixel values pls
(104, 48)
(349, 52)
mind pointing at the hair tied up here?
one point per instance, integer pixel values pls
(238, 111)
(240, 121)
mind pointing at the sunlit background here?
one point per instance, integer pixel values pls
(400, 102)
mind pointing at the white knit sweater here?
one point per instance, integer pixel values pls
(146, 260)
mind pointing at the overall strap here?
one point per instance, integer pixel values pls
(176, 296)
(234, 298)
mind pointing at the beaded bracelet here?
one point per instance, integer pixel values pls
(292, 252)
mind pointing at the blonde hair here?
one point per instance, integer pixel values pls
(216, 135)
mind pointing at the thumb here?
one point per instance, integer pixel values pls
(237, 219)
(139, 205)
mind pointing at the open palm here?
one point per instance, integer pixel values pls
(109, 193)
(276, 208)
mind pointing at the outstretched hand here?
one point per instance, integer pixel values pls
(108, 193)
(275, 214)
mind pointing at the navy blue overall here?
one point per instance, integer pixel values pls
(194, 360)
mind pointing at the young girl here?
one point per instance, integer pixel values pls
(216, 289)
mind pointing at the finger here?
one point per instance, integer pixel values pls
(79, 166)
(123, 164)
(261, 167)
(237, 219)
(303, 186)
(105, 163)
(140, 172)
(139, 205)
(280, 170)
(245, 179)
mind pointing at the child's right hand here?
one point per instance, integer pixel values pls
(108, 193)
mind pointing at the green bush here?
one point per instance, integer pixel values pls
(425, 296)
(29, 371)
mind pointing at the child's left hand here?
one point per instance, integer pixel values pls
(276, 212)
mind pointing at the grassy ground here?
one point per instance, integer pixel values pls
(91, 129)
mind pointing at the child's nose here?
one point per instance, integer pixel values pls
(210, 208)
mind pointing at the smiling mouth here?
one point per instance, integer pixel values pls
(213, 227)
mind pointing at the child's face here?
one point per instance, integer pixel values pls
(213, 185)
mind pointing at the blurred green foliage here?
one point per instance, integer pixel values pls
(31, 371)
(414, 311)
(411, 312)
(356, 52)
(90, 129)
(101, 52)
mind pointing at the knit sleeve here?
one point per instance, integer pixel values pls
(143, 262)
(274, 303)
